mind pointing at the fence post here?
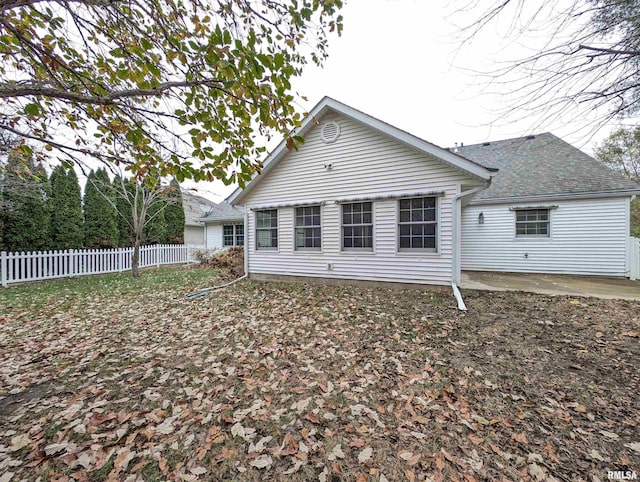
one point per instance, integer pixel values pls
(3, 267)
(157, 255)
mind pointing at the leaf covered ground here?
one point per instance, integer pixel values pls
(109, 378)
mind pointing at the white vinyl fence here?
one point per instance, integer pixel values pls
(34, 266)
(634, 258)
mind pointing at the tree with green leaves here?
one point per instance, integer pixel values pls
(174, 214)
(126, 234)
(100, 215)
(155, 229)
(621, 152)
(66, 212)
(26, 213)
(189, 89)
(587, 63)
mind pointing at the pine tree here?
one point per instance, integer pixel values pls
(126, 234)
(155, 230)
(66, 213)
(100, 215)
(26, 217)
(174, 214)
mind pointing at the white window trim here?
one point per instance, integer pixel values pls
(255, 231)
(308, 250)
(356, 251)
(418, 251)
(533, 237)
(235, 235)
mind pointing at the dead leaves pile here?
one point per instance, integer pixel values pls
(293, 382)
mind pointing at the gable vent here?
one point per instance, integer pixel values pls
(330, 132)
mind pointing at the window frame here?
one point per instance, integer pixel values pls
(518, 211)
(305, 227)
(353, 249)
(271, 229)
(234, 235)
(435, 222)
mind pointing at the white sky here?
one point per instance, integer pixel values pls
(398, 60)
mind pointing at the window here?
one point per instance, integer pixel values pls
(418, 225)
(233, 235)
(357, 226)
(532, 223)
(308, 233)
(267, 229)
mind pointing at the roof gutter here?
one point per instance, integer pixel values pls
(456, 244)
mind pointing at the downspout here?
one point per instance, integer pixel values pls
(456, 237)
(246, 244)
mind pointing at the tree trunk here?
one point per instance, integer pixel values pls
(135, 261)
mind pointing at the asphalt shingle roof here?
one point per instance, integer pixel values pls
(194, 207)
(223, 212)
(542, 165)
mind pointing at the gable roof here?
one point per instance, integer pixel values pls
(469, 166)
(543, 166)
(223, 212)
(192, 205)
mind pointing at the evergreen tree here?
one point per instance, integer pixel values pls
(66, 214)
(174, 214)
(100, 215)
(155, 229)
(126, 234)
(26, 217)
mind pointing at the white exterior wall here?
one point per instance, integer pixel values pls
(365, 163)
(587, 237)
(213, 236)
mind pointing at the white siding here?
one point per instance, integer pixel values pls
(214, 236)
(365, 163)
(587, 237)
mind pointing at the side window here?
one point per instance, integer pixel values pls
(267, 229)
(532, 223)
(418, 226)
(357, 226)
(308, 231)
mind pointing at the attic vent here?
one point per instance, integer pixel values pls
(330, 132)
(530, 137)
(486, 143)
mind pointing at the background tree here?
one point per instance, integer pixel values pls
(100, 215)
(588, 62)
(621, 152)
(66, 213)
(139, 205)
(155, 229)
(157, 84)
(174, 214)
(26, 213)
(126, 235)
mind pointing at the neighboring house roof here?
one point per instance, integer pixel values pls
(469, 166)
(195, 207)
(223, 212)
(543, 166)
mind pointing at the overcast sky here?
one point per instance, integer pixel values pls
(401, 61)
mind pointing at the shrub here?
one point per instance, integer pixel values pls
(230, 260)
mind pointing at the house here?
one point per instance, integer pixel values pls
(194, 207)
(224, 226)
(363, 200)
(551, 208)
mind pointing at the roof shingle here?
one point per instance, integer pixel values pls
(542, 165)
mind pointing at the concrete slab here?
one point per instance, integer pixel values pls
(552, 284)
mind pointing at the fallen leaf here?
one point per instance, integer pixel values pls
(635, 446)
(198, 471)
(261, 462)
(521, 437)
(365, 455)
(19, 442)
(336, 453)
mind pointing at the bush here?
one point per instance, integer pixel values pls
(230, 260)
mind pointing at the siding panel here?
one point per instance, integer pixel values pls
(365, 163)
(587, 237)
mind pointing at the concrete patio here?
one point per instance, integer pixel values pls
(551, 284)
